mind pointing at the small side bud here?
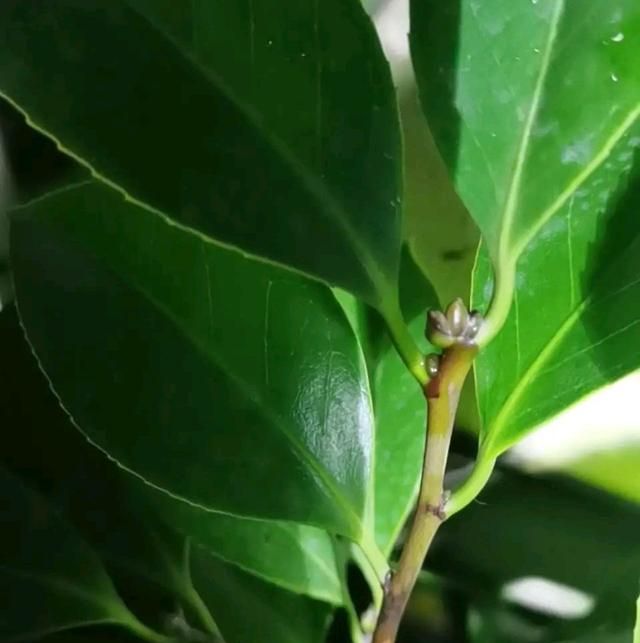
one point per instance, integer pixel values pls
(388, 579)
(432, 364)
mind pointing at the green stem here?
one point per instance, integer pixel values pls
(145, 633)
(407, 348)
(373, 580)
(472, 486)
(443, 395)
(192, 596)
(203, 613)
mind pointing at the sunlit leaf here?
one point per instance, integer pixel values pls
(535, 108)
(574, 326)
(526, 101)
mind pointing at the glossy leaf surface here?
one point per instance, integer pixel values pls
(248, 610)
(97, 495)
(307, 178)
(400, 433)
(50, 579)
(398, 401)
(209, 372)
(574, 324)
(535, 108)
(525, 100)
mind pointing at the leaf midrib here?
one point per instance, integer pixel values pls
(627, 123)
(512, 248)
(537, 366)
(513, 196)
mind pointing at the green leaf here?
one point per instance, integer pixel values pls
(568, 335)
(400, 410)
(527, 101)
(248, 610)
(50, 579)
(439, 232)
(85, 487)
(549, 185)
(296, 557)
(398, 401)
(102, 501)
(443, 238)
(272, 131)
(231, 384)
(81, 479)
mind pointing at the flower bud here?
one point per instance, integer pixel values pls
(457, 316)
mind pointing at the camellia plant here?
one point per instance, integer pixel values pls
(220, 434)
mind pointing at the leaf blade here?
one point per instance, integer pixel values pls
(92, 235)
(282, 615)
(584, 337)
(46, 591)
(524, 126)
(531, 96)
(297, 165)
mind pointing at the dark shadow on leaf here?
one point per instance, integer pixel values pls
(435, 54)
(611, 279)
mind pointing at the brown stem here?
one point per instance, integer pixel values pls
(443, 394)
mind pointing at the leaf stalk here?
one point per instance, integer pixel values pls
(473, 485)
(504, 286)
(407, 348)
